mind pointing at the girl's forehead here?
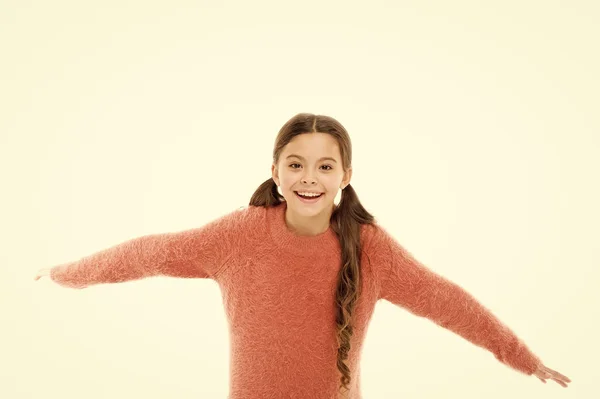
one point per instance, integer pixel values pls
(311, 150)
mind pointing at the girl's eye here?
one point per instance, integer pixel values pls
(329, 166)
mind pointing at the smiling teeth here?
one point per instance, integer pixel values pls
(309, 194)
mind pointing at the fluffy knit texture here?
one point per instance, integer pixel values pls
(278, 291)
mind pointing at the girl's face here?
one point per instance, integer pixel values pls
(311, 162)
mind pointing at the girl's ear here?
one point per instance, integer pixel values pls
(347, 177)
(275, 174)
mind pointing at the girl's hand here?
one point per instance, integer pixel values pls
(544, 372)
(42, 272)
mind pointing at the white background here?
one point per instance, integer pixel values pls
(475, 135)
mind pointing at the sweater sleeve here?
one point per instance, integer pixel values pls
(195, 253)
(409, 284)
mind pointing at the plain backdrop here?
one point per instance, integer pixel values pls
(475, 132)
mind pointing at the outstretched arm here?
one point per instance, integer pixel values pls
(408, 283)
(194, 253)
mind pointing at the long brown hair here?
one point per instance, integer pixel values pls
(346, 220)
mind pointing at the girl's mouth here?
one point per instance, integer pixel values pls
(308, 200)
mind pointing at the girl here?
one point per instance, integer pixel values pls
(300, 275)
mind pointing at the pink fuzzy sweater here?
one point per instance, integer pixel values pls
(278, 291)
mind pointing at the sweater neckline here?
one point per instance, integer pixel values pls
(294, 243)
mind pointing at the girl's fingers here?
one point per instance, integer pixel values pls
(555, 373)
(41, 273)
(563, 377)
(560, 383)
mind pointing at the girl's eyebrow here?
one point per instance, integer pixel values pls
(302, 158)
